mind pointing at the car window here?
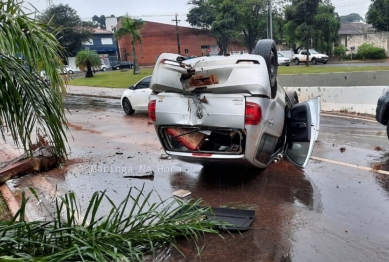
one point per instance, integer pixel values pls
(145, 83)
(313, 52)
(303, 53)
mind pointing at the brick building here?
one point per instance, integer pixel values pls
(160, 38)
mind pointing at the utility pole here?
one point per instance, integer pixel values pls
(271, 20)
(178, 34)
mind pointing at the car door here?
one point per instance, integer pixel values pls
(140, 97)
(302, 131)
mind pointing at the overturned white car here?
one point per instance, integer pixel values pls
(230, 110)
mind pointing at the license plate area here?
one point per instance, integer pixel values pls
(203, 139)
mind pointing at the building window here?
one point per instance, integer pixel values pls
(89, 42)
(106, 41)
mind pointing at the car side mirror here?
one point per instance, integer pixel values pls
(132, 87)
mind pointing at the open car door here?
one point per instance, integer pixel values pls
(303, 129)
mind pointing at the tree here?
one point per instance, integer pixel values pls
(131, 27)
(87, 59)
(300, 17)
(353, 17)
(202, 15)
(378, 15)
(253, 20)
(99, 21)
(221, 17)
(67, 26)
(327, 25)
(225, 27)
(27, 103)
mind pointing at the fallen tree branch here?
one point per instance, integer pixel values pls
(42, 159)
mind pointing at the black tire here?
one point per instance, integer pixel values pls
(314, 61)
(268, 50)
(103, 69)
(324, 63)
(296, 61)
(127, 106)
(117, 68)
(71, 72)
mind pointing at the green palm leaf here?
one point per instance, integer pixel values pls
(26, 102)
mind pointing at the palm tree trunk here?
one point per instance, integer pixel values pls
(89, 70)
(136, 65)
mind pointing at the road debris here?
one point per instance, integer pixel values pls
(144, 175)
(342, 149)
(164, 156)
(181, 193)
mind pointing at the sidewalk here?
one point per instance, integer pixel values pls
(105, 92)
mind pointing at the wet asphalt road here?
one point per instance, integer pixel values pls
(326, 212)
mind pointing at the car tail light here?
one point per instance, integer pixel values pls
(253, 114)
(151, 110)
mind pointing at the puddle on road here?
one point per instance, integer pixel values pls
(274, 193)
(88, 103)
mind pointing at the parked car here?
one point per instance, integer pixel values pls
(282, 60)
(136, 97)
(382, 110)
(66, 69)
(230, 110)
(313, 56)
(124, 64)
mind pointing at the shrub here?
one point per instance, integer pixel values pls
(340, 50)
(368, 51)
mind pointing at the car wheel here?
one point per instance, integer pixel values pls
(117, 68)
(296, 61)
(103, 69)
(324, 63)
(287, 64)
(292, 96)
(71, 72)
(268, 50)
(314, 61)
(127, 106)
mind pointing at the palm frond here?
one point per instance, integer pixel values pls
(130, 230)
(26, 102)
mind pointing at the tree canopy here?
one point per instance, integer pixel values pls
(311, 22)
(99, 21)
(28, 103)
(378, 15)
(353, 17)
(227, 19)
(67, 26)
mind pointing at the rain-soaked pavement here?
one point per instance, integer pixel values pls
(329, 211)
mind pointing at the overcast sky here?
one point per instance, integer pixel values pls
(164, 11)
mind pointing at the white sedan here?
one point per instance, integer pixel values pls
(282, 60)
(136, 97)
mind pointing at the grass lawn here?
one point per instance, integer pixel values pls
(311, 69)
(115, 78)
(124, 79)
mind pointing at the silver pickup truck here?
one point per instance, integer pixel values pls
(230, 110)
